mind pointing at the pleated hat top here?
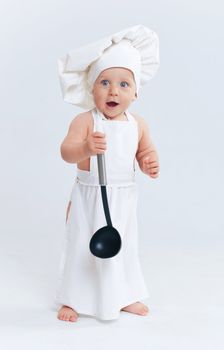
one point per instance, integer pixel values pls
(135, 48)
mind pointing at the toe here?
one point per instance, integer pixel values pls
(145, 311)
(60, 316)
(73, 318)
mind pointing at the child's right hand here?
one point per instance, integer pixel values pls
(96, 143)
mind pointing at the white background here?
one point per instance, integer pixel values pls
(180, 213)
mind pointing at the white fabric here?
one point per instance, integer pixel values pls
(75, 66)
(122, 54)
(90, 285)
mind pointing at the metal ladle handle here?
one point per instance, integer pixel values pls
(102, 169)
(103, 182)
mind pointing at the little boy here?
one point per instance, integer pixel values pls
(114, 85)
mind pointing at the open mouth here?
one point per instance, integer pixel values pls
(112, 104)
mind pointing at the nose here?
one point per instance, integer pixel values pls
(113, 90)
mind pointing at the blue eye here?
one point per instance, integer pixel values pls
(124, 83)
(102, 81)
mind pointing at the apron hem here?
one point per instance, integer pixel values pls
(105, 318)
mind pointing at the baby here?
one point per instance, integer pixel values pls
(114, 86)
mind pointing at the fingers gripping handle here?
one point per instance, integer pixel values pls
(101, 160)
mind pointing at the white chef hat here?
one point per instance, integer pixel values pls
(122, 54)
(135, 48)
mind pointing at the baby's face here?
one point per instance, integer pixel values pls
(114, 84)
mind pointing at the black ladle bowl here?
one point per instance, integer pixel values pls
(106, 242)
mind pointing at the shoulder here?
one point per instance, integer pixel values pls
(84, 117)
(142, 125)
(139, 119)
(83, 120)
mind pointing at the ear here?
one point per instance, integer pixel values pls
(135, 97)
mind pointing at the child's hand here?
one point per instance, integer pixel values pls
(150, 165)
(96, 143)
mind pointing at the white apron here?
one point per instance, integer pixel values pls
(88, 284)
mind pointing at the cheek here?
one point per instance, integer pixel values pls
(99, 97)
(129, 95)
(101, 93)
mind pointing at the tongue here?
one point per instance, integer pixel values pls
(112, 104)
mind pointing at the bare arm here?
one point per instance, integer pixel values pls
(146, 154)
(81, 143)
(73, 148)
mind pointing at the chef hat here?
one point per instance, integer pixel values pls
(135, 48)
(122, 54)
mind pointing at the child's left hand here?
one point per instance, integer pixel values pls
(150, 165)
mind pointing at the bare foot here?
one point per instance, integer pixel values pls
(137, 308)
(66, 313)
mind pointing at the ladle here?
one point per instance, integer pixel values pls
(106, 241)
